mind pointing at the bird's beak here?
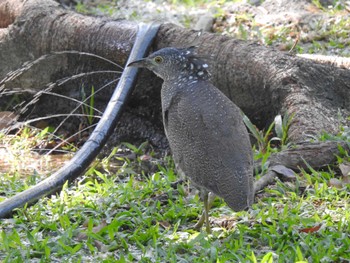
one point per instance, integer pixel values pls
(142, 63)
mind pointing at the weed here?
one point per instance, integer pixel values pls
(88, 110)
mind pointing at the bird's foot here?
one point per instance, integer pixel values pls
(200, 223)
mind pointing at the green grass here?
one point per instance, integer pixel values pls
(119, 212)
(323, 35)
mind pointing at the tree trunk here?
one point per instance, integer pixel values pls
(262, 81)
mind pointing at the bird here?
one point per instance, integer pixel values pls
(207, 136)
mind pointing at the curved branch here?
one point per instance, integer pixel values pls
(98, 138)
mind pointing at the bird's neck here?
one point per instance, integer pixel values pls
(188, 77)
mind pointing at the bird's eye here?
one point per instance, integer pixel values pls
(158, 59)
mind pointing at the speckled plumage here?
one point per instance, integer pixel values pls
(207, 136)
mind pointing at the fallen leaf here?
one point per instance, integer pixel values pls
(83, 235)
(336, 183)
(145, 157)
(99, 227)
(164, 224)
(224, 222)
(283, 171)
(345, 169)
(100, 246)
(310, 229)
(345, 179)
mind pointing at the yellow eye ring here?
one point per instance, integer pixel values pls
(158, 59)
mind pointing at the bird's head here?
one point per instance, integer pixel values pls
(172, 63)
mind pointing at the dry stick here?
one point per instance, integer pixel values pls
(79, 163)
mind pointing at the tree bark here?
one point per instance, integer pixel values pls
(262, 81)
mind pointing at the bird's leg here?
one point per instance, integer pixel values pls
(200, 222)
(206, 211)
(210, 199)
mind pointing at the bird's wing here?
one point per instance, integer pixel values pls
(220, 139)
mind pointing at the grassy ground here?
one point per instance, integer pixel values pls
(324, 30)
(129, 208)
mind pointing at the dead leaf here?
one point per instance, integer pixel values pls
(164, 224)
(83, 236)
(286, 173)
(145, 157)
(345, 179)
(224, 222)
(310, 229)
(100, 246)
(98, 228)
(345, 169)
(336, 183)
